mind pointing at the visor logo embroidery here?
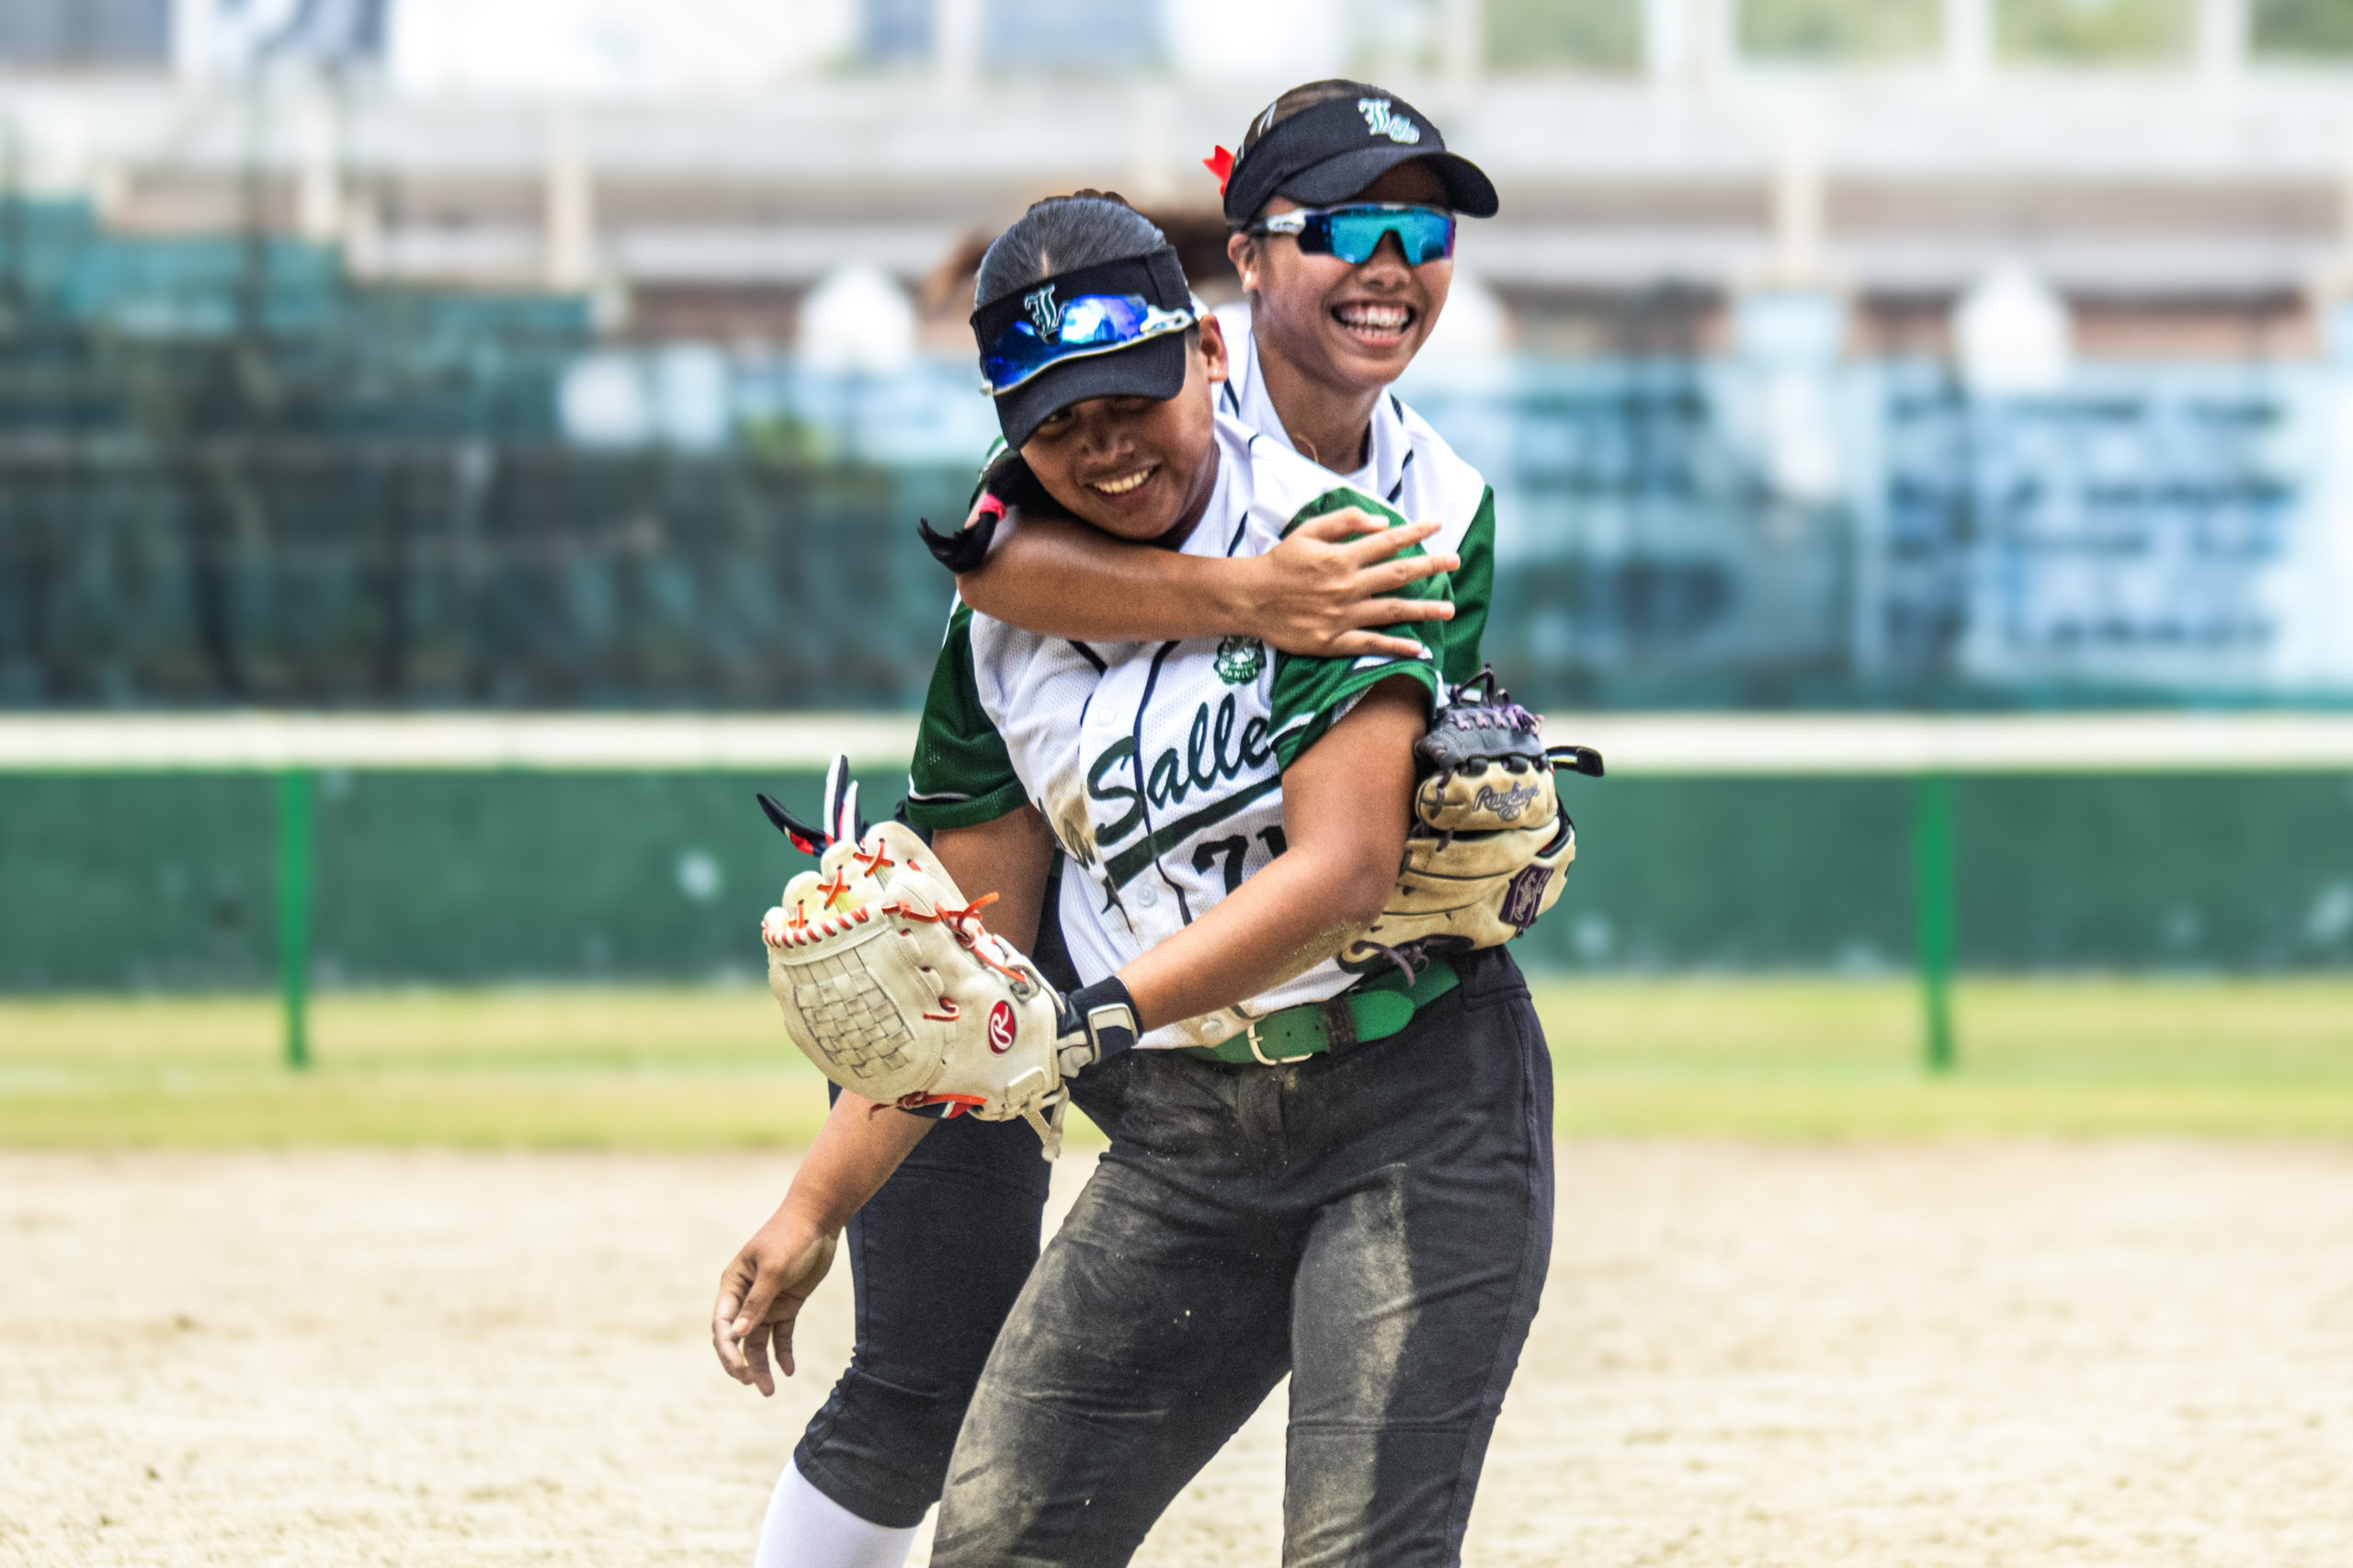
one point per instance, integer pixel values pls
(1043, 315)
(1381, 122)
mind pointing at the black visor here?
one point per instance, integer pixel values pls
(1330, 152)
(1147, 366)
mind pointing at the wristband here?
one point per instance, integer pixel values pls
(1107, 1013)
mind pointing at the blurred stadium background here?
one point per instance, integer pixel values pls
(466, 370)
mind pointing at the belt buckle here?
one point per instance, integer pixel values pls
(1251, 1034)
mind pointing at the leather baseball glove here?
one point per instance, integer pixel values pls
(1489, 840)
(890, 983)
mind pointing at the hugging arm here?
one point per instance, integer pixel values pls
(1321, 591)
(1346, 801)
(761, 1289)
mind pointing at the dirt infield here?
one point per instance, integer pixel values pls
(1926, 1355)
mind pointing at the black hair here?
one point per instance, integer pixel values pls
(1307, 94)
(1061, 235)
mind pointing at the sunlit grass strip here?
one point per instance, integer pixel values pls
(689, 1068)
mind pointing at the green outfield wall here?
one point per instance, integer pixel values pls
(169, 881)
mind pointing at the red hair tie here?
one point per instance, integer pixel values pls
(1222, 166)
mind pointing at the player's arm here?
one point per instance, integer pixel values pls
(761, 1289)
(1344, 733)
(1345, 802)
(1324, 590)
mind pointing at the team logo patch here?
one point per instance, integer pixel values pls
(1523, 901)
(1239, 660)
(1508, 804)
(1001, 1027)
(1380, 121)
(1040, 303)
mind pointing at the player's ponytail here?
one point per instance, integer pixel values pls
(1061, 235)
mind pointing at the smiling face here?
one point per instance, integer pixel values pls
(1353, 328)
(1136, 467)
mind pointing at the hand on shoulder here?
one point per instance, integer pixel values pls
(1334, 578)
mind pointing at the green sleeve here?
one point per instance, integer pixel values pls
(989, 460)
(962, 775)
(1309, 692)
(1474, 591)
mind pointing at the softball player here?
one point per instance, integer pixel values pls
(1335, 310)
(938, 1254)
(1346, 1181)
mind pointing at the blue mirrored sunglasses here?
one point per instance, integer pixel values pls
(1354, 233)
(1089, 325)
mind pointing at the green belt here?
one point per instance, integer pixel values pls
(1372, 1011)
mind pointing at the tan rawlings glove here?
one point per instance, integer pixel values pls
(890, 983)
(1489, 840)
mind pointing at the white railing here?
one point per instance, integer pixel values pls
(1683, 744)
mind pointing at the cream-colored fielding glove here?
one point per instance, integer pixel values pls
(1489, 842)
(893, 987)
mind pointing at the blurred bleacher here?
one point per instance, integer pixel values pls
(229, 472)
(404, 354)
(234, 473)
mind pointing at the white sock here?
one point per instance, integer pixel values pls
(806, 1528)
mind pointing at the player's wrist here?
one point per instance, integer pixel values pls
(1237, 588)
(803, 1217)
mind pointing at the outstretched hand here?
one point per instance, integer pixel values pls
(761, 1292)
(760, 1295)
(1324, 588)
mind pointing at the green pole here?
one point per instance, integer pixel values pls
(1932, 889)
(294, 911)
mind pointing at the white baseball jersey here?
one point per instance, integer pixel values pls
(1157, 765)
(1408, 467)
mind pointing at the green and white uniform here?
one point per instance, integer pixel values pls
(1157, 765)
(1409, 468)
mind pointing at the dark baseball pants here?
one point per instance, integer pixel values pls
(1377, 1224)
(936, 1258)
